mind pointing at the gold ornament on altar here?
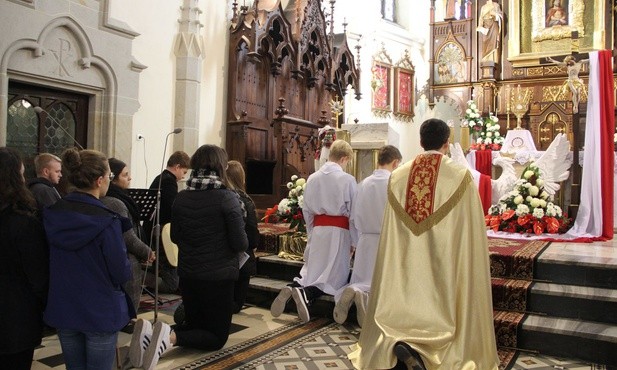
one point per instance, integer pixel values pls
(520, 104)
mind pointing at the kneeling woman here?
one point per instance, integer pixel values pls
(207, 224)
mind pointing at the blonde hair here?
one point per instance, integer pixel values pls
(340, 149)
(43, 160)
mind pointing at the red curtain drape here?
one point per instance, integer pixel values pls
(607, 114)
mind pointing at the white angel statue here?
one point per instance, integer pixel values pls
(554, 165)
(500, 186)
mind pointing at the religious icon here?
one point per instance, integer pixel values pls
(556, 13)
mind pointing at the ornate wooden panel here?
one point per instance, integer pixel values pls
(547, 119)
(290, 54)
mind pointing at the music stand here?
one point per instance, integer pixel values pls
(146, 200)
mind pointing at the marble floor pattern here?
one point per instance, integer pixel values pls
(254, 321)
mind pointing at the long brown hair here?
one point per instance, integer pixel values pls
(13, 190)
(236, 177)
(210, 158)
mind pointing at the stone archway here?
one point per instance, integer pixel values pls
(81, 54)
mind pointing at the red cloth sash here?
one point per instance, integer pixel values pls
(486, 192)
(484, 161)
(327, 220)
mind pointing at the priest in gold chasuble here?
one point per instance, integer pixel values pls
(431, 286)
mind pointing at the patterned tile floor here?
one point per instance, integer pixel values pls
(317, 353)
(253, 322)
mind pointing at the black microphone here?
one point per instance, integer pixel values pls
(157, 229)
(40, 110)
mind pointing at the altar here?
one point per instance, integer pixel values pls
(366, 139)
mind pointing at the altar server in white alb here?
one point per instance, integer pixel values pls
(367, 217)
(327, 206)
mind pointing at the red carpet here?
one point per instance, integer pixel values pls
(512, 263)
(514, 258)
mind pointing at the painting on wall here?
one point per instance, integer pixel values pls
(556, 12)
(403, 91)
(380, 84)
(553, 27)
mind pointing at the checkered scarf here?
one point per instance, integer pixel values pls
(202, 180)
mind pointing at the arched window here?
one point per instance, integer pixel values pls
(43, 120)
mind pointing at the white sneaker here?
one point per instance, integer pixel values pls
(142, 332)
(159, 344)
(299, 296)
(278, 305)
(361, 301)
(341, 309)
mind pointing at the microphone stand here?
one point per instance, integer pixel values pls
(157, 229)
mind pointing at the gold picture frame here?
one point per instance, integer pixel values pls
(534, 32)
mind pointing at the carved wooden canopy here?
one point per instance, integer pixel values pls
(289, 53)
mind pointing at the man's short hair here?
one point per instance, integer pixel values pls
(179, 158)
(387, 154)
(434, 133)
(42, 161)
(340, 149)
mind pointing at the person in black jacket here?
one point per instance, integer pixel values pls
(236, 179)
(207, 224)
(48, 169)
(24, 266)
(177, 167)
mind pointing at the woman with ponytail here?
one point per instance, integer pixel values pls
(88, 265)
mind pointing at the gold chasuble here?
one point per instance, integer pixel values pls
(431, 286)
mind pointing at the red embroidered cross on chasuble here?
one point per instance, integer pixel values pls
(421, 186)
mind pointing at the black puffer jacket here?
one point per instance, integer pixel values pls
(208, 226)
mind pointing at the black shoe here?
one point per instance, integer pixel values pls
(179, 314)
(302, 303)
(409, 356)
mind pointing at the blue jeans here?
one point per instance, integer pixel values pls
(88, 350)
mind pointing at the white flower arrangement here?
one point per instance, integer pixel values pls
(528, 208)
(472, 118)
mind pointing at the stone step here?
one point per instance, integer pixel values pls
(585, 340)
(559, 300)
(574, 302)
(278, 268)
(263, 290)
(578, 264)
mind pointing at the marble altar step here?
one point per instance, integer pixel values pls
(574, 302)
(583, 264)
(567, 338)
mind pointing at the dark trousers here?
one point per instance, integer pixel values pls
(168, 278)
(208, 306)
(312, 292)
(17, 361)
(241, 288)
